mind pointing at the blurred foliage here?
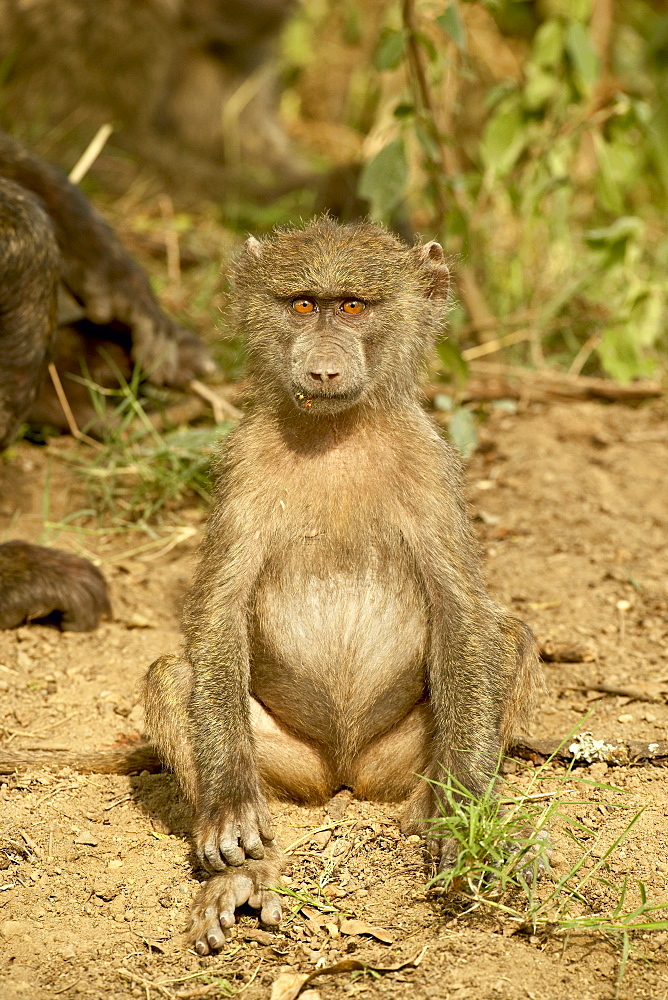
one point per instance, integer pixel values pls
(531, 138)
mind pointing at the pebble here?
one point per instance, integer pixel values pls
(87, 838)
(14, 928)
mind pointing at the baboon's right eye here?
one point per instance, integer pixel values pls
(303, 306)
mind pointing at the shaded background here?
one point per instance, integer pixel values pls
(530, 137)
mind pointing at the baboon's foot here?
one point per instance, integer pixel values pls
(215, 904)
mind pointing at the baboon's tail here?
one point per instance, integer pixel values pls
(115, 760)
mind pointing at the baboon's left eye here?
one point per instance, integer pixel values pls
(353, 306)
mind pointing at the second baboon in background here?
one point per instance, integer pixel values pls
(338, 632)
(52, 241)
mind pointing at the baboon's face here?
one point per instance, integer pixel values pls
(336, 315)
(330, 337)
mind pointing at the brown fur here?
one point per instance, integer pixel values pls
(338, 632)
(52, 238)
(38, 583)
(163, 72)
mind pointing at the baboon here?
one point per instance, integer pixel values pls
(52, 240)
(338, 632)
(191, 85)
(42, 584)
(53, 244)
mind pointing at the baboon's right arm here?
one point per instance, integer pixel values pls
(231, 817)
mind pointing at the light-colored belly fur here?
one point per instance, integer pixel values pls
(338, 658)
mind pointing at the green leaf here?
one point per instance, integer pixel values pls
(619, 354)
(428, 143)
(404, 110)
(540, 87)
(548, 45)
(445, 404)
(582, 55)
(428, 46)
(451, 24)
(463, 433)
(619, 231)
(352, 24)
(648, 315)
(390, 49)
(504, 139)
(383, 180)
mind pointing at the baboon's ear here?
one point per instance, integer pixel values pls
(253, 247)
(439, 274)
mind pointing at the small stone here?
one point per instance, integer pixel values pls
(413, 839)
(87, 838)
(625, 718)
(115, 863)
(139, 621)
(14, 928)
(105, 890)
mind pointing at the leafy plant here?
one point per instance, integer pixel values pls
(549, 183)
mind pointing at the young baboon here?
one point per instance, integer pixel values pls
(338, 632)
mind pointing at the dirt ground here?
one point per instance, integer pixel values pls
(571, 508)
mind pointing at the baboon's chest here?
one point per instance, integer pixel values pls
(338, 653)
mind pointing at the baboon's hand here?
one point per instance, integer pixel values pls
(234, 833)
(214, 907)
(168, 352)
(112, 288)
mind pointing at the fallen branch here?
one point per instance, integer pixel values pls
(659, 696)
(489, 382)
(583, 749)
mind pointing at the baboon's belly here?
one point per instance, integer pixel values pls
(338, 658)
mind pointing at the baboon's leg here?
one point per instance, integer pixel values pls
(288, 767)
(166, 694)
(389, 768)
